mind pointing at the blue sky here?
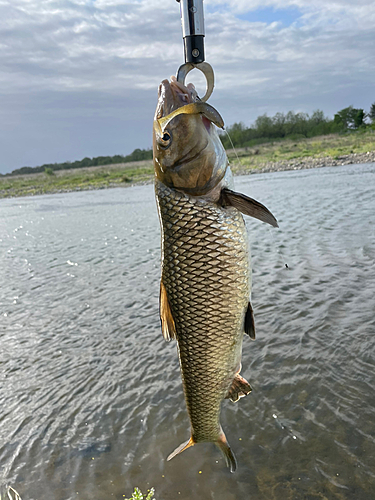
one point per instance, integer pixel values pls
(79, 77)
(267, 15)
(270, 15)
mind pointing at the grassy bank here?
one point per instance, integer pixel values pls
(279, 155)
(317, 151)
(123, 174)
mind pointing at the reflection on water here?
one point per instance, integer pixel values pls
(90, 394)
(8, 493)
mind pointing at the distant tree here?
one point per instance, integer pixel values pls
(278, 122)
(263, 124)
(344, 117)
(318, 117)
(237, 127)
(301, 124)
(279, 126)
(86, 162)
(371, 114)
(137, 154)
(236, 133)
(350, 118)
(359, 117)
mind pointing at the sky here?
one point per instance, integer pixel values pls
(80, 77)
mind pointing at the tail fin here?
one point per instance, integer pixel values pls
(222, 444)
(181, 448)
(230, 459)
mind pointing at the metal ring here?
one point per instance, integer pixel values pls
(206, 70)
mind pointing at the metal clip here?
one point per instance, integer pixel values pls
(206, 70)
(192, 19)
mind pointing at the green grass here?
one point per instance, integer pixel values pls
(242, 161)
(76, 179)
(138, 495)
(332, 146)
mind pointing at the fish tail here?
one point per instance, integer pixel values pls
(221, 443)
(181, 448)
(224, 447)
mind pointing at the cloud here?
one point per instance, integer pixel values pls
(118, 49)
(64, 45)
(107, 44)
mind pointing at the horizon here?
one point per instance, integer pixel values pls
(227, 130)
(81, 80)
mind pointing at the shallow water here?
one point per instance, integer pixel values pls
(90, 394)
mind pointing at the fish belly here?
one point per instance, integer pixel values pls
(206, 274)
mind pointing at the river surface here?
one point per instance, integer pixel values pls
(91, 400)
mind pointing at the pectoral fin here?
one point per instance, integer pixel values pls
(249, 322)
(168, 327)
(240, 388)
(247, 206)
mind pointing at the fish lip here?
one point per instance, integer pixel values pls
(173, 95)
(164, 96)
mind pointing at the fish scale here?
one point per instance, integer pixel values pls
(205, 271)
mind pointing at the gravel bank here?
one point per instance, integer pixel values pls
(308, 162)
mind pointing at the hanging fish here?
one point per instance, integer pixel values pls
(206, 275)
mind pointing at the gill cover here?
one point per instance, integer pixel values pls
(188, 154)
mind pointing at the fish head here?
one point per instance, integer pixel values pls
(188, 153)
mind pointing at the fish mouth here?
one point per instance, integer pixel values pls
(175, 99)
(173, 95)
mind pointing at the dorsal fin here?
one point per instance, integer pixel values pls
(247, 206)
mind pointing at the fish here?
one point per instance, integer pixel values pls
(205, 258)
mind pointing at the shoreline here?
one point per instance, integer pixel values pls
(301, 163)
(304, 163)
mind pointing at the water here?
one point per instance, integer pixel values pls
(90, 394)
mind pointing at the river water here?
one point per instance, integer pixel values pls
(91, 401)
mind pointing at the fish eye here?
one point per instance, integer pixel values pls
(165, 140)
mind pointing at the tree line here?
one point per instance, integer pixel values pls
(290, 125)
(136, 155)
(296, 125)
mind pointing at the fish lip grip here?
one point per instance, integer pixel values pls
(206, 70)
(192, 20)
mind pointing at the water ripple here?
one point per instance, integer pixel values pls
(91, 395)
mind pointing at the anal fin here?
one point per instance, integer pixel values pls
(247, 206)
(249, 322)
(168, 327)
(240, 387)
